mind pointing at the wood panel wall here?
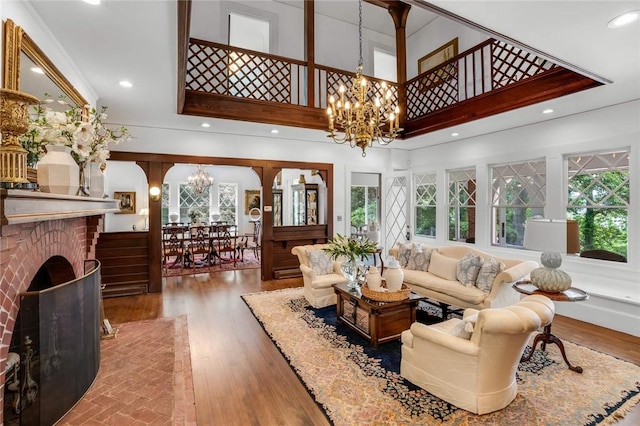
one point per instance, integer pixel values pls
(125, 262)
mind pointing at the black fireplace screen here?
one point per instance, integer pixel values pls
(59, 349)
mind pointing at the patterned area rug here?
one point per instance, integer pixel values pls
(249, 262)
(144, 378)
(356, 384)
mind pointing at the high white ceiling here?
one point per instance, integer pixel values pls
(136, 41)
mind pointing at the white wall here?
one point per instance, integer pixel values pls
(614, 287)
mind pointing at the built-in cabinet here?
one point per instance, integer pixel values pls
(304, 199)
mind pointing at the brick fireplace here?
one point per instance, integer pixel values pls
(34, 227)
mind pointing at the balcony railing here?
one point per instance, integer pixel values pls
(219, 69)
(224, 70)
(484, 68)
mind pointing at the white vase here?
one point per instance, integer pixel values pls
(393, 275)
(96, 180)
(374, 280)
(58, 172)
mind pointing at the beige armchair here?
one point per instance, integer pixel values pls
(318, 288)
(478, 374)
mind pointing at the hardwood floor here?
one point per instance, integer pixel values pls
(240, 377)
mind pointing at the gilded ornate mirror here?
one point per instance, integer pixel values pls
(21, 55)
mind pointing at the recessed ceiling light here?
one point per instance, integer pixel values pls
(624, 19)
(206, 125)
(93, 2)
(125, 83)
(275, 131)
(37, 70)
(455, 134)
(547, 111)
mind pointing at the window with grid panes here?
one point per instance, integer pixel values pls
(191, 200)
(462, 205)
(165, 203)
(425, 192)
(518, 193)
(598, 199)
(228, 202)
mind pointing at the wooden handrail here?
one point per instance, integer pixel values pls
(454, 59)
(247, 51)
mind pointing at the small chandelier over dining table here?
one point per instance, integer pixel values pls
(200, 180)
(360, 120)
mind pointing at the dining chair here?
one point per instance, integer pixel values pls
(173, 253)
(254, 243)
(199, 246)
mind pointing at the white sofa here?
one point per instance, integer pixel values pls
(452, 292)
(318, 288)
(476, 372)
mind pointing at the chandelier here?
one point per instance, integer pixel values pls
(200, 180)
(360, 120)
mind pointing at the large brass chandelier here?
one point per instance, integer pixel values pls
(360, 120)
(200, 180)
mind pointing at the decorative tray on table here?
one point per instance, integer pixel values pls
(385, 295)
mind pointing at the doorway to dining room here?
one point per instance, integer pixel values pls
(215, 224)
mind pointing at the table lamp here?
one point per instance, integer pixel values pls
(145, 213)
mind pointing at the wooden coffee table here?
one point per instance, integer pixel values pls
(380, 322)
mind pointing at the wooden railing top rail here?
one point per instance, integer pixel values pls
(247, 51)
(353, 74)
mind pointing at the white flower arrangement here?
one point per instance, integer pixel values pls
(80, 128)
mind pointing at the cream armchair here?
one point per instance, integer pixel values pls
(318, 288)
(479, 374)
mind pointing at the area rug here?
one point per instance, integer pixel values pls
(250, 261)
(144, 378)
(357, 385)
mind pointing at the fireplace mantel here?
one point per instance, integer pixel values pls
(21, 206)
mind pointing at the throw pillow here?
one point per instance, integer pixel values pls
(468, 268)
(443, 266)
(320, 262)
(490, 268)
(419, 258)
(460, 330)
(404, 252)
(470, 322)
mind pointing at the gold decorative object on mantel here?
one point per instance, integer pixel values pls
(14, 122)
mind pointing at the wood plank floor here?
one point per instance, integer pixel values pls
(240, 377)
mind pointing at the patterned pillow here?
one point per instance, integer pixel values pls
(419, 258)
(468, 269)
(320, 262)
(490, 268)
(443, 266)
(404, 253)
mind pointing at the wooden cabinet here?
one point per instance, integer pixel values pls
(125, 262)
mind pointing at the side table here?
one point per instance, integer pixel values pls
(571, 295)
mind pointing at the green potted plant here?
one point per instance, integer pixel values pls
(351, 251)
